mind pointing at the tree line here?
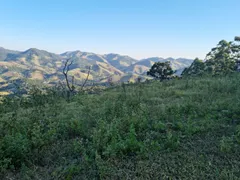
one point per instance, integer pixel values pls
(222, 59)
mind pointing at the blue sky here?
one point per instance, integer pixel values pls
(138, 28)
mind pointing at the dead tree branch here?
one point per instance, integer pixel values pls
(71, 86)
(89, 69)
(65, 72)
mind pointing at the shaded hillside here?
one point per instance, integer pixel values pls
(5, 53)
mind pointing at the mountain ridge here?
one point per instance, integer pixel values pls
(42, 65)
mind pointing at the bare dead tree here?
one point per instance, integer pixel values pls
(71, 86)
(65, 73)
(89, 69)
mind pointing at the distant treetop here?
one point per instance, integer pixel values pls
(237, 38)
(222, 59)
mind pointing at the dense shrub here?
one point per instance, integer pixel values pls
(172, 129)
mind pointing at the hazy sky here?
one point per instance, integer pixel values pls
(138, 28)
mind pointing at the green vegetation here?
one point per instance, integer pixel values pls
(220, 60)
(237, 38)
(161, 70)
(178, 129)
(197, 68)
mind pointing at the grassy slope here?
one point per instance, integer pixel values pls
(181, 129)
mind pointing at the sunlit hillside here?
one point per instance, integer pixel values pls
(47, 67)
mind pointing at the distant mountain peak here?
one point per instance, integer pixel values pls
(170, 59)
(184, 59)
(72, 53)
(40, 64)
(154, 59)
(40, 53)
(32, 51)
(115, 55)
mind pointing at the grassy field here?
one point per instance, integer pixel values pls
(178, 129)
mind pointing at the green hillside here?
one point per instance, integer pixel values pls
(178, 129)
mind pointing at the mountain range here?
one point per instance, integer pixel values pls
(35, 64)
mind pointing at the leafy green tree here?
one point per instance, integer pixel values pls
(237, 38)
(161, 70)
(224, 50)
(222, 59)
(197, 68)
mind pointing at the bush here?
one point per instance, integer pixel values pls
(14, 150)
(144, 130)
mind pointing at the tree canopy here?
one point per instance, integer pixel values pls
(196, 68)
(161, 70)
(237, 38)
(220, 60)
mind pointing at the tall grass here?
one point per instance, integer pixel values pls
(185, 129)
